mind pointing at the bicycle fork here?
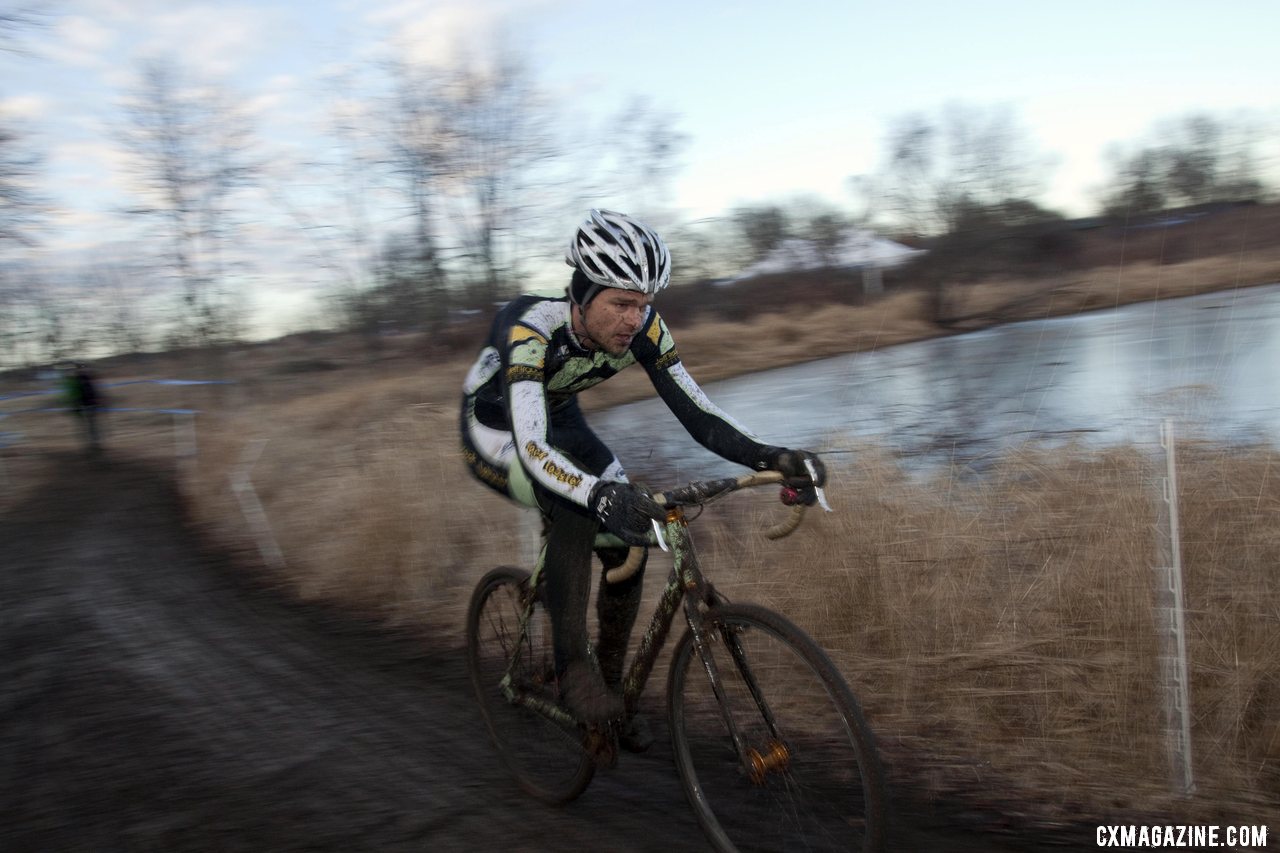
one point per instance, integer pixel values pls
(755, 764)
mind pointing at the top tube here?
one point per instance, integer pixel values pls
(705, 491)
(694, 494)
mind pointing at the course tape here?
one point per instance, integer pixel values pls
(103, 409)
(49, 391)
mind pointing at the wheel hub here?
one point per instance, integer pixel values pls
(775, 758)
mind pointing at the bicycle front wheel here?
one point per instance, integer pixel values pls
(802, 773)
(547, 758)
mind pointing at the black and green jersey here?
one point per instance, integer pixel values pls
(532, 367)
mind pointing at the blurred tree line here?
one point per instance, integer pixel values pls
(485, 170)
(967, 184)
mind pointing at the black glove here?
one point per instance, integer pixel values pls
(626, 510)
(791, 464)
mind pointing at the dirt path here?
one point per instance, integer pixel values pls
(153, 698)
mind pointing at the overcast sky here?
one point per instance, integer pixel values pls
(776, 98)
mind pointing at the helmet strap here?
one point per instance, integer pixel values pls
(578, 316)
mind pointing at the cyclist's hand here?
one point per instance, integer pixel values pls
(791, 463)
(626, 510)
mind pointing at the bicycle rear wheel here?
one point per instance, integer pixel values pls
(812, 780)
(548, 759)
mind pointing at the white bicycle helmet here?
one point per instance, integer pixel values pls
(614, 250)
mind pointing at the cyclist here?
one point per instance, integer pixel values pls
(80, 391)
(524, 435)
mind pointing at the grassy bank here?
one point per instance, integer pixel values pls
(1002, 632)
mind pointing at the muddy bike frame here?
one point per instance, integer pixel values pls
(685, 583)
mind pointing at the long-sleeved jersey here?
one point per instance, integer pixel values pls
(533, 366)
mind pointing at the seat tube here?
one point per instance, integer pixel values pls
(526, 614)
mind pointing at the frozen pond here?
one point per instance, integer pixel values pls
(1211, 362)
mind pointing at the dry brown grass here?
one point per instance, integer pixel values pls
(1002, 633)
(999, 631)
(363, 486)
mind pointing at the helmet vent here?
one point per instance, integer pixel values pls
(615, 250)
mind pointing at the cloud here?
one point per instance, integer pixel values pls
(80, 42)
(24, 107)
(444, 32)
(211, 40)
(267, 103)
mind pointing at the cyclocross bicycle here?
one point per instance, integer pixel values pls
(769, 741)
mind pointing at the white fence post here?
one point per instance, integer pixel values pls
(252, 507)
(1171, 620)
(872, 281)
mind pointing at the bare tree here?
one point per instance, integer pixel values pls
(17, 317)
(967, 181)
(16, 21)
(938, 170)
(416, 140)
(499, 138)
(821, 224)
(641, 148)
(1136, 186)
(474, 150)
(20, 204)
(356, 161)
(703, 249)
(763, 228)
(1191, 160)
(192, 152)
(121, 299)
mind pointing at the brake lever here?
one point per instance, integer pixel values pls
(657, 531)
(813, 475)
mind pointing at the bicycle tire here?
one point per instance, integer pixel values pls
(547, 759)
(825, 789)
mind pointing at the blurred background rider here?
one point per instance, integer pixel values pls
(80, 391)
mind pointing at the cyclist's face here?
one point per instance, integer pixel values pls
(612, 319)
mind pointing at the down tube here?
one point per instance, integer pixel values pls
(654, 636)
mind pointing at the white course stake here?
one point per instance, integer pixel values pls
(252, 507)
(1171, 619)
